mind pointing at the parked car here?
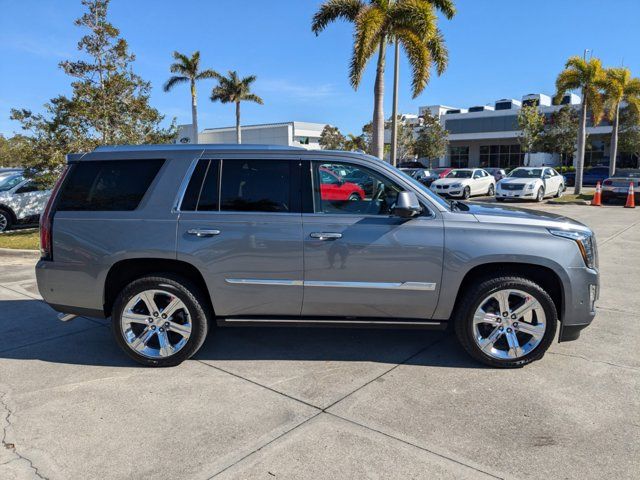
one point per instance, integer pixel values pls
(21, 200)
(498, 173)
(590, 176)
(465, 182)
(424, 176)
(441, 172)
(333, 187)
(402, 165)
(617, 187)
(530, 183)
(166, 239)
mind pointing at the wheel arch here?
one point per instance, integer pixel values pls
(124, 272)
(10, 211)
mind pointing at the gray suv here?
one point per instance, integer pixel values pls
(169, 240)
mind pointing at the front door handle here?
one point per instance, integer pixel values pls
(203, 232)
(326, 235)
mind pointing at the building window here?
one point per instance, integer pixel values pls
(302, 140)
(594, 154)
(501, 156)
(459, 157)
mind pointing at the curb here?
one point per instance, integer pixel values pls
(16, 252)
(577, 202)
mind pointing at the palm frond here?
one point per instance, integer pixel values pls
(447, 7)
(208, 74)
(333, 10)
(415, 15)
(438, 50)
(419, 59)
(173, 81)
(567, 80)
(368, 35)
(252, 97)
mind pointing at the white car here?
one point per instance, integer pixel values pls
(530, 183)
(21, 200)
(465, 182)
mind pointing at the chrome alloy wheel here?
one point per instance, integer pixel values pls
(4, 222)
(156, 324)
(509, 324)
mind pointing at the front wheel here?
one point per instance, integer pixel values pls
(160, 321)
(540, 195)
(354, 197)
(466, 193)
(5, 220)
(506, 322)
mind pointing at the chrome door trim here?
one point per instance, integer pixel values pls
(262, 281)
(381, 285)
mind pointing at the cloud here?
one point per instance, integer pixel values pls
(296, 91)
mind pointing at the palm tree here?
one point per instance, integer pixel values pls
(188, 70)
(587, 76)
(354, 143)
(233, 89)
(618, 87)
(411, 22)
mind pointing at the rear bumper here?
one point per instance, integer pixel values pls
(579, 304)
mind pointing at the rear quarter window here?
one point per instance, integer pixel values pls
(113, 185)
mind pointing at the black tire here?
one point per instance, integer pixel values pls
(354, 197)
(466, 193)
(470, 301)
(540, 195)
(560, 191)
(499, 199)
(6, 220)
(492, 190)
(192, 298)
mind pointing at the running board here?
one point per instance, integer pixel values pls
(330, 322)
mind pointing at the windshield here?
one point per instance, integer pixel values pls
(424, 190)
(526, 173)
(7, 182)
(460, 174)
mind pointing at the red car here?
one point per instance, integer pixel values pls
(332, 187)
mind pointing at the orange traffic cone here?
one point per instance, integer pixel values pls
(597, 198)
(631, 200)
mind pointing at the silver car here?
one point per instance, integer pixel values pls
(21, 200)
(169, 240)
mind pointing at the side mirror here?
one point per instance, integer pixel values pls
(407, 205)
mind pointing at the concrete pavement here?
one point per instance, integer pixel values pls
(313, 403)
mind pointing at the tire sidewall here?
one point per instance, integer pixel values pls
(492, 191)
(182, 289)
(540, 195)
(464, 320)
(466, 193)
(7, 216)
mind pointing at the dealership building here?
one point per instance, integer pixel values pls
(487, 135)
(293, 134)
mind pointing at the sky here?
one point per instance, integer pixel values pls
(498, 49)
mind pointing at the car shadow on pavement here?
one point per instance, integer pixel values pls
(32, 332)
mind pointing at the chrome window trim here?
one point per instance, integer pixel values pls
(185, 183)
(423, 286)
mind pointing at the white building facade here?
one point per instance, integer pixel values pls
(293, 134)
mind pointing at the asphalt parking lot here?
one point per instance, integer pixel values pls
(313, 403)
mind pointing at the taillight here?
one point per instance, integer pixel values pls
(607, 182)
(46, 220)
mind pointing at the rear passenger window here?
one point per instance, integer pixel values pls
(113, 185)
(202, 191)
(256, 186)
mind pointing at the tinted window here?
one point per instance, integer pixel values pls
(256, 186)
(359, 191)
(202, 192)
(108, 185)
(9, 181)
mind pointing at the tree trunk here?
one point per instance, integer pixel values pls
(238, 133)
(377, 137)
(194, 112)
(613, 153)
(582, 138)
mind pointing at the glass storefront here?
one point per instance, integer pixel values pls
(501, 156)
(459, 157)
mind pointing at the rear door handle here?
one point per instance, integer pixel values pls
(326, 235)
(203, 232)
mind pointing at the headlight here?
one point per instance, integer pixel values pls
(586, 244)
(456, 185)
(531, 186)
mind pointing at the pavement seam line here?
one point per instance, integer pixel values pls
(265, 445)
(406, 442)
(635, 369)
(616, 235)
(10, 446)
(5, 286)
(48, 339)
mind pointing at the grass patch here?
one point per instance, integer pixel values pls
(570, 197)
(26, 239)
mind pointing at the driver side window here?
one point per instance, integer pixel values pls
(342, 188)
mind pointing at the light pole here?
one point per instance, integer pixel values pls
(394, 111)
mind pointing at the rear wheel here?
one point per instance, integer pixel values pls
(492, 190)
(5, 220)
(560, 191)
(160, 320)
(354, 197)
(506, 322)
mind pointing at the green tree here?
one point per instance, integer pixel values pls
(629, 141)
(413, 23)
(355, 143)
(586, 76)
(8, 156)
(406, 140)
(433, 139)
(618, 86)
(188, 71)
(561, 133)
(233, 89)
(531, 125)
(331, 138)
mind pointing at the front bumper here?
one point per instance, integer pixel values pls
(579, 303)
(449, 192)
(526, 194)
